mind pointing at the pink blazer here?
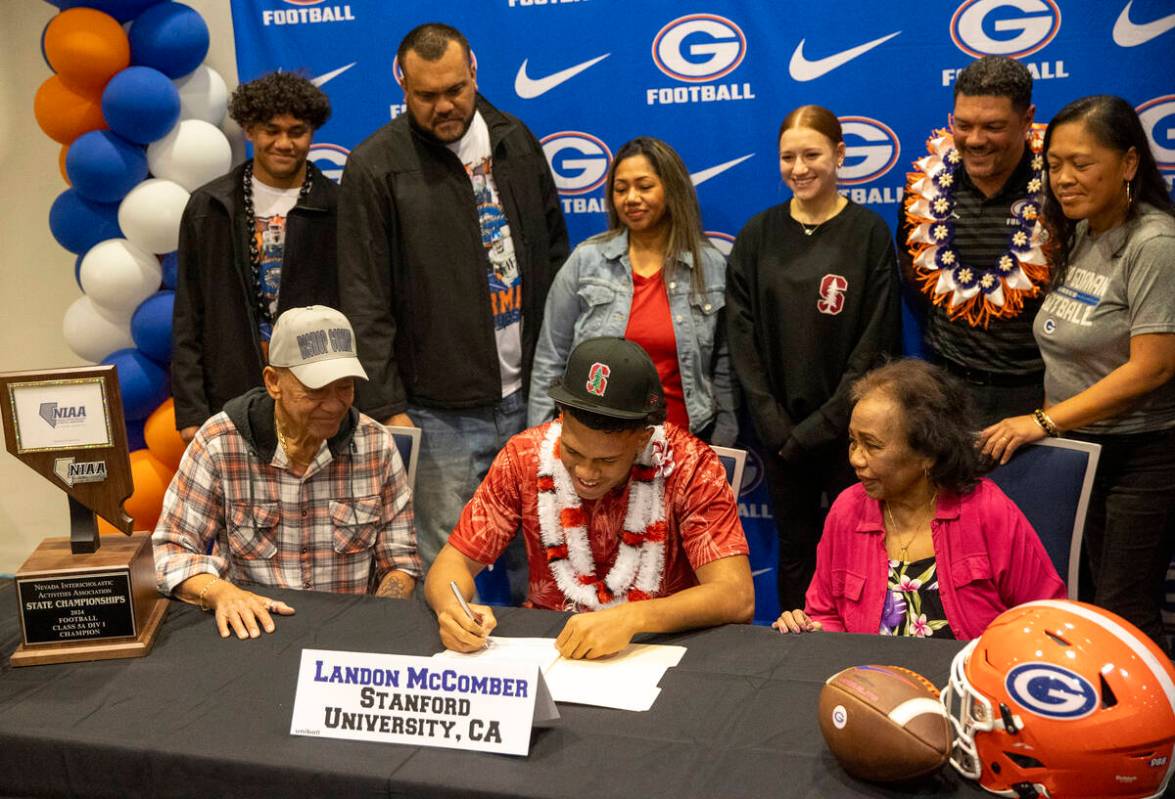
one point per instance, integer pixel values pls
(988, 559)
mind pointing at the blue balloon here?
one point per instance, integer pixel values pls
(151, 326)
(171, 266)
(104, 166)
(170, 37)
(142, 382)
(77, 270)
(141, 104)
(134, 435)
(78, 224)
(121, 10)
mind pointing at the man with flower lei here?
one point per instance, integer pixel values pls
(969, 239)
(622, 515)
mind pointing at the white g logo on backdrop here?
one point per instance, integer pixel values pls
(716, 45)
(1158, 120)
(871, 150)
(329, 158)
(579, 161)
(723, 242)
(982, 27)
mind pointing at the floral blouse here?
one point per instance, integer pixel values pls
(913, 606)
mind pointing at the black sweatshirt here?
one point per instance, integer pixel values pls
(806, 316)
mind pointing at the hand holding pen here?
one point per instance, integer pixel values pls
(465, 628)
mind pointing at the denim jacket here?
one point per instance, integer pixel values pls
(592, 296)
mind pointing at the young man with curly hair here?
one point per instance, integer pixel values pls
(253, 243)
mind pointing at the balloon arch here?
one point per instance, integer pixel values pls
(138, 116)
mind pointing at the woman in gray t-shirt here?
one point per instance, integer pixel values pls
(1106, 331)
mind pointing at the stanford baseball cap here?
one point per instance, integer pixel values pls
(611, 377)
(317, 344)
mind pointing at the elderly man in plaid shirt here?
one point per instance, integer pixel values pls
(289, 486)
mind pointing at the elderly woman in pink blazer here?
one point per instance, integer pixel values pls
(920, 546)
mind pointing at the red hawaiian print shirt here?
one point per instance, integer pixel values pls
(700, 511)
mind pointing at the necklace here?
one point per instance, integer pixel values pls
(640, 561)
(263, 311)
(894, 526)
(285, 444)
(974, 293)
(809, 228)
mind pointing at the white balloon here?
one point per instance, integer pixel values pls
(91, 334)
(117, 275)
(150, 215)
(203, 95)
(193, 153)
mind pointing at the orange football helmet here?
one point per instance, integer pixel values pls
(1065, 700)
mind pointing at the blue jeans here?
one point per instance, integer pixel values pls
(456, 450)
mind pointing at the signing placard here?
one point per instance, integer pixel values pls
(489, 707)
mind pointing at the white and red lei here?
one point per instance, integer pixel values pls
(640, 561)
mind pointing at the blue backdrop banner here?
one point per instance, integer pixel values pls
(715, 78)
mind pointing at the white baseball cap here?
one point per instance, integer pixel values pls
(317, 344)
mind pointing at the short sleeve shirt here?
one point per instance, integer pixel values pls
(505, 279)
(271, 208)
(700, 511)
(1118, 285)
(650, 324)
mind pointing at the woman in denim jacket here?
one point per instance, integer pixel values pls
(654, 279)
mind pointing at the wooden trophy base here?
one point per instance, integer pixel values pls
(96, 606)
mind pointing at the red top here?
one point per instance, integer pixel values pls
(650, 324)
(989, 559)
(700, 511)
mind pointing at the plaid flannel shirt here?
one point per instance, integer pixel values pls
(341, 527)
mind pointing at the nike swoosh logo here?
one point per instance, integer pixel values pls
(529, 88)
(699, 178)
(757, 572)
(802, 69)
(321, 79)
(1130, 34)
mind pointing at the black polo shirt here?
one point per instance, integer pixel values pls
(982, 227)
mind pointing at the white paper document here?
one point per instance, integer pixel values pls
(625, 681)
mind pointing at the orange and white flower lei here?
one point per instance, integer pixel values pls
(640, 561)
(972, 292)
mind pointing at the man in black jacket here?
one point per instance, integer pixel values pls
(253, 243)
(449, 233)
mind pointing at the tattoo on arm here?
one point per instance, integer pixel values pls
(396, 585)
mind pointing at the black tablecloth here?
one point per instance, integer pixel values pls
(206, 717)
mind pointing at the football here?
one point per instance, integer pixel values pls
(884, 723)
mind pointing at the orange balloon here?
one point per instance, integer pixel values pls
(86, 47)
(163, 440)
(64, 113)
(61, 164)
(151, 478)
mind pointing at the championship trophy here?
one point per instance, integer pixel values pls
(81, 597)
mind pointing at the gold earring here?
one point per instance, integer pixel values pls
(1129, 195)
